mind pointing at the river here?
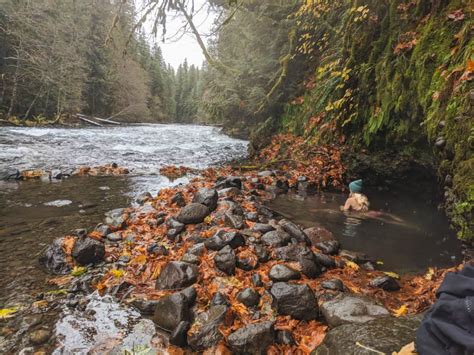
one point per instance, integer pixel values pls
(33, 213)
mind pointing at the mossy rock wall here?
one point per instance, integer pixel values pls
(397, 77)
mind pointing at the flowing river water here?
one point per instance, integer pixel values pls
(33, 213)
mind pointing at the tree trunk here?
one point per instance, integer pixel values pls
(27, 113)
(15, 86)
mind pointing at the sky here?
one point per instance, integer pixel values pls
(176, 48)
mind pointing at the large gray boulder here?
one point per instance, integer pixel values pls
(171, 310)
(205, 330)
(225, 260)
(116, 218)
(193, 213)
(54, 258)
(349, 308)
(276, 239)
(282, 272)
(297, 301)
(9, 174)
(253, 338)
(318, 234)
(88, 251)
(207, 197)
(222, 238)
(294, 231)
(384, 335)
(176, 275)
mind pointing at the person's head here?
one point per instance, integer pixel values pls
(355, 186)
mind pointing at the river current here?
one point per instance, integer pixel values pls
(33, 213)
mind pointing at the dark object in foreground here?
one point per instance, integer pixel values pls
(448, 326)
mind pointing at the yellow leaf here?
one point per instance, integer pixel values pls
(117, 273)
(392, 274)
(208, 220)
(379, 262)
(156, 273)
(401, 311)
(429, 275)
(8, 312)
(141, 259)
(78, 271)
(406, 350)
(352, 265)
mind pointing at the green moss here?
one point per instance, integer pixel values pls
(405, 100)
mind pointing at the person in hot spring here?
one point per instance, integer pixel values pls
(358, 202)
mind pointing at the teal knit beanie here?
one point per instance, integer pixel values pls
(356, 186)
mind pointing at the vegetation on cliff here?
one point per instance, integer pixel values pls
(390, 79)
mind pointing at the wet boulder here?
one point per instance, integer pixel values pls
(282, 185)
(276, 239)
(231, 207)
(354, 256)
(114, 237)
(231, 181)
(281, 272)
(103, 229)
(178, 199)
(88, 251)
(116, 218)
(233, 220)
(347, 308)
(179, 336)
(9, 174)
(257, 280)
(193, 213)
(251, 216)
(297, 301)
(171, 310)
(206, 197)
(225, 260)
(197, 249)
(54, 258)
(262, 228)
(318, 234)
(253, 338)
(265, 211)
(309, 266)
(145, 307)
(219, 299)
(176, 275)
(385, 335)
(333, 285)
(330, 247)
(325, 260)
(144, 197)
(262, 253)
(386, 283)
(294, 231)
(191, 259)
(205, 330)
(248, 297)
(174, 228)
(292, 252)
